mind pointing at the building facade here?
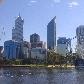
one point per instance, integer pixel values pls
(1, 52)
(80, 41)
(1, 48)
(12, 50)
(17, 31)
(63, 46)
(37, 44)
(38, 53)
(35, 41)
(34, 38)
(25, 47)
(51, 34)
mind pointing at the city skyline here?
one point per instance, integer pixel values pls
(37, 22)
(41, 41)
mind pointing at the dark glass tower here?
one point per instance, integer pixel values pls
(35, 41)
(51, 34)
(34, 38)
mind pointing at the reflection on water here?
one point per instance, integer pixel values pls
(40, 76)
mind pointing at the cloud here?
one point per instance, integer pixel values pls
(57, 1)
(73, 3)
(33, 1)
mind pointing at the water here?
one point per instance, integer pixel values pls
(40, 76)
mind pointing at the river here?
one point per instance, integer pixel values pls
(41, 76)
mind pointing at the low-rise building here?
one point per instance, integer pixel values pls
(25, 47)
(38, 53)
(37, 44)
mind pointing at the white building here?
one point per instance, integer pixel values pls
(63, 46)
(1, 52)
(17, 32)
(26, 49)
(80, 41)
(38, 53)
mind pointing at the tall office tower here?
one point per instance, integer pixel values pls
(63, 46)
(51, 34)
(12, 50)
(34, 38)
(17, 32)
(80, 40)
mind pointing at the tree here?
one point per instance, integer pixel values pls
(54, 58)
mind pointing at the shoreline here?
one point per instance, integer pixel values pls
(39, 66)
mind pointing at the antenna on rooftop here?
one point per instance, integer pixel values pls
(19, 14)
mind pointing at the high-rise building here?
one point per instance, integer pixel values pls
(35, 41)
(1, 52)
(34, 38)
(51, 34)
(1, 48)
(80, 34)
(63, 46)
(80, 40)
(12, 50)
(17, 32)
(37, 44)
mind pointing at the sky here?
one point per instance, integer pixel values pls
(37, 14)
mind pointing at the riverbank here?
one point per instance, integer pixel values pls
(41, 66)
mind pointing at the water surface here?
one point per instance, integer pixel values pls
(40, 76)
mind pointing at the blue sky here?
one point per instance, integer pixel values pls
(37, 14)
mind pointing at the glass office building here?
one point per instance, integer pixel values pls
(51, 34)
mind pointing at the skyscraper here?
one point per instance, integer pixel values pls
(34, 38)
(12, 50)
(63, 46)
(35, 41)
(80, 40)
(80, 34)
(51, 34)
(17, 32)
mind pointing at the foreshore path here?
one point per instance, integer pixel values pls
(44, 66)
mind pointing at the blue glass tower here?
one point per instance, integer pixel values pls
(12, 49)
(51, 34)
(34, 38)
